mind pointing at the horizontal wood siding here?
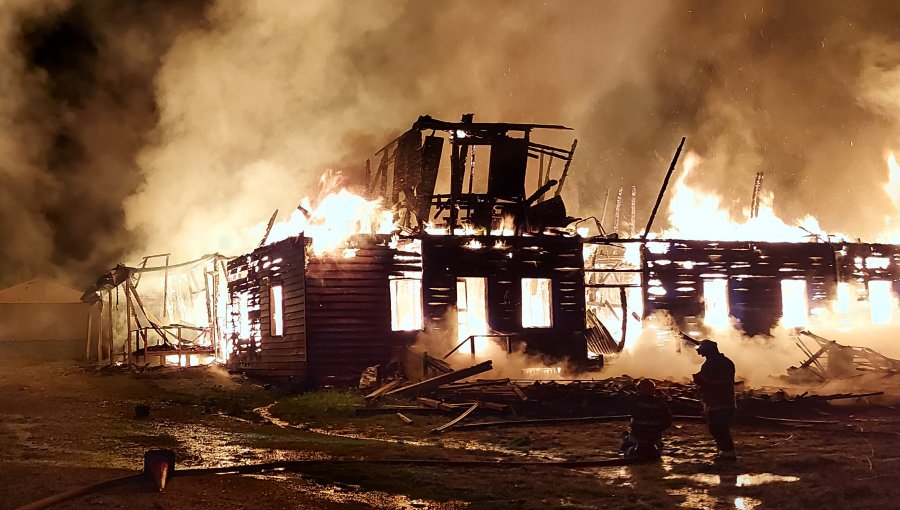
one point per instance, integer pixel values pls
(263, 354)
(348, 313)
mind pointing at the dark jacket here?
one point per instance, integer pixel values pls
(650, 416)
(716, 382)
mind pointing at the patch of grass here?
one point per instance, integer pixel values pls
(318, 405)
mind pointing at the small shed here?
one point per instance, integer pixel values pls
(42, 309)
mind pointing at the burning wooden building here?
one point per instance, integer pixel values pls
(463, 245)
(485, 263)
(705, 285)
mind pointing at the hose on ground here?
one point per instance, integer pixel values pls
(299, 465)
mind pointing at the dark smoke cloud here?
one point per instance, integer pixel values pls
(179, 129)
(804, 91)
(79, 104)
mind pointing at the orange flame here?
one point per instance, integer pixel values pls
(694, 214)
(336, 216)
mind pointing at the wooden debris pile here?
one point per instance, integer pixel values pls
(827, 359)
(559, 402)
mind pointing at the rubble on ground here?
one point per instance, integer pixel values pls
(572, 401)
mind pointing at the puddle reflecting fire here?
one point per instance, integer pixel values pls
(700, 498)
(349, 494)
(745, 480)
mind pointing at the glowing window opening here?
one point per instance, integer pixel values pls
(794, 303)
(842, 302)
(406, 305)
(881, 301)
(715, 303)
(471, 310)
(537, 305)
(276, 310)
(244, 316)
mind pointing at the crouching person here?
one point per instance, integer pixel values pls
(650, 416)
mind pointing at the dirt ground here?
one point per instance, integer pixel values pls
(63, 426)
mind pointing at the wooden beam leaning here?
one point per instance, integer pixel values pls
(662, 190)
(87, 349)
(100, 332)
(384, 389)
(430, 384)
(128, 312)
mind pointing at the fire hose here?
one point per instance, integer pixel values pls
(299, 465)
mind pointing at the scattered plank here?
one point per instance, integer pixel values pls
(544, 421)
(475, 384)
(451, 423)
(560, 421)
(407, 420)
(789, 421)
(372, 411)
(518, 391)
(841, 396)
(429, 402)
(435, 382)
(384, 389)
(493, 406)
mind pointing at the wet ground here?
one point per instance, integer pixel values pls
(62, 426)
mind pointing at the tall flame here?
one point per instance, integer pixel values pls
(333, 218)
(694, 214)
(891, 232)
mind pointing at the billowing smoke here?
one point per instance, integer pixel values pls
(178, 126)
(77, 104)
